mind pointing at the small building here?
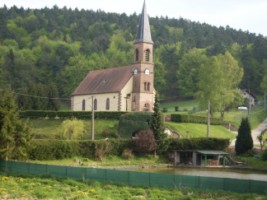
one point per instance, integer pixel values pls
(249, 97)
(200, 158)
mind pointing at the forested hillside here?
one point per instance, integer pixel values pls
(47, 52)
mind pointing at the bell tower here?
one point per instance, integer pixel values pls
(143, 74)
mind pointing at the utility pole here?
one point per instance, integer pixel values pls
(92, 120)
(265, 101)
(208, 126)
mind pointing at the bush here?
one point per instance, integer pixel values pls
(144, 142)
(196, 143)
(127, 154)
(264, 155)
(244, 140)
(52, 149)
(132, 122)
(59, 149)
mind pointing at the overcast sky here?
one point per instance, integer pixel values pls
(247, 15)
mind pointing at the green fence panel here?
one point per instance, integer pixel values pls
(76, 172)
(211, 183)
(96, 174)
(259, 187)
(237, 185)
(59, 171)
(139, 178)
(38, 169)
(187, 181)
(2, 165)
(162, 180)
(136, 178)
(18, 167)
(116, 176)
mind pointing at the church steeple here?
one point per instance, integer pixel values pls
(143, 33)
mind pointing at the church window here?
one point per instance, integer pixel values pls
(95, 104)
(107, 104)
(136, 54)
(146, 107)
(147, 55)
(146, 86)
(83, 105)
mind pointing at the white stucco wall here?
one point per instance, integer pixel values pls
(101, 102)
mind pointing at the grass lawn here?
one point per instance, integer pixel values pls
(15, 187)
(109, 161)
(51, 128)
(184, 106)
(187, 130)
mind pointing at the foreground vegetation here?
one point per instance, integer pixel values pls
(52, 188)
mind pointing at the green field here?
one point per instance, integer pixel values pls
(12, 187)
(51, 128)
(189, 130)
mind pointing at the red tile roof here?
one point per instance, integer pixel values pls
(105, 81)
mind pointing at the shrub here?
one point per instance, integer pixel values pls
(72, 128)
(132, 122)
(144, 142)
(52, 149)
(244, 140)
(105, 133)
(101, 149)
(264, 155)
(196, 143)
(127, 154)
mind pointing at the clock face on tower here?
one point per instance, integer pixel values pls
(135, 71)
(147, 71)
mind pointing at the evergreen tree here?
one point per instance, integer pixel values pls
(157, 122)
(244, 140)
(14, 134)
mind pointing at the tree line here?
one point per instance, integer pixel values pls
(45, 53)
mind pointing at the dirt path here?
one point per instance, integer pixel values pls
(254, 133)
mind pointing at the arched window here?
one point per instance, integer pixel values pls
(145, 86)
(83, 105)
(95, 104)
(107, 104)
(136, 54)
(147, 55)
(146, 107)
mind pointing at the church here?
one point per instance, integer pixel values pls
(126, 88)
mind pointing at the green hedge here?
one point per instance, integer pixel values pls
(69, 114)
(60, 149)
(197, 143)
(195, 119)
(132, 122)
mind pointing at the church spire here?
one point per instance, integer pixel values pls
(143, 34)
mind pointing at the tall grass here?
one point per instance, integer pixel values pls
(12, 187)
